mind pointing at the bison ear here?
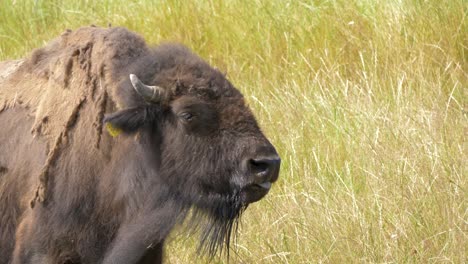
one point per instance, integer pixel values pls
(129, 120)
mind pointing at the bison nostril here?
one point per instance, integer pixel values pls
(258, 166)
(264, 166)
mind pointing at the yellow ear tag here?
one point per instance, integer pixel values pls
(113, 131)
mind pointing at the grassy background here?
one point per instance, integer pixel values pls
(365, 100)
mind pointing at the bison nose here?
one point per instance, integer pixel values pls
(265, 169)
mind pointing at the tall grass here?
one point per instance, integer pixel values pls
(366, 102)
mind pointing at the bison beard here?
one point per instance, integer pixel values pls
(222, 217)
(184, 146)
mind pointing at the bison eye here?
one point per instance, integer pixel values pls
(186, 116)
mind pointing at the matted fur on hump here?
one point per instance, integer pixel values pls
(69, 84)
(79, 67)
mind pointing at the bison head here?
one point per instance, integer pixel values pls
(208, 149)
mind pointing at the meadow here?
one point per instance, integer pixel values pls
(365, 100)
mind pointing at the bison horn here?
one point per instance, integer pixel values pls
(149, 93)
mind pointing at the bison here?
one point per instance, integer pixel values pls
(106, 144)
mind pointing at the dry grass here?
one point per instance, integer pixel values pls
(366, 102)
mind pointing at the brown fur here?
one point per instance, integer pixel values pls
(70, 193)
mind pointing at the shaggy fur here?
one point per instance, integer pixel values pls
(71, 193)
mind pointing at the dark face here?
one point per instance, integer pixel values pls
(216, 148)
(212, 154)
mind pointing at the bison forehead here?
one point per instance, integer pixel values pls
(182, 72)
(213, 86)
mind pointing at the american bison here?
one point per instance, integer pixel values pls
(106, 144)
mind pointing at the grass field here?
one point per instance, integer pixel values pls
(365, 100)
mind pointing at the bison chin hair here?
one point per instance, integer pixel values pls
(217, 218)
